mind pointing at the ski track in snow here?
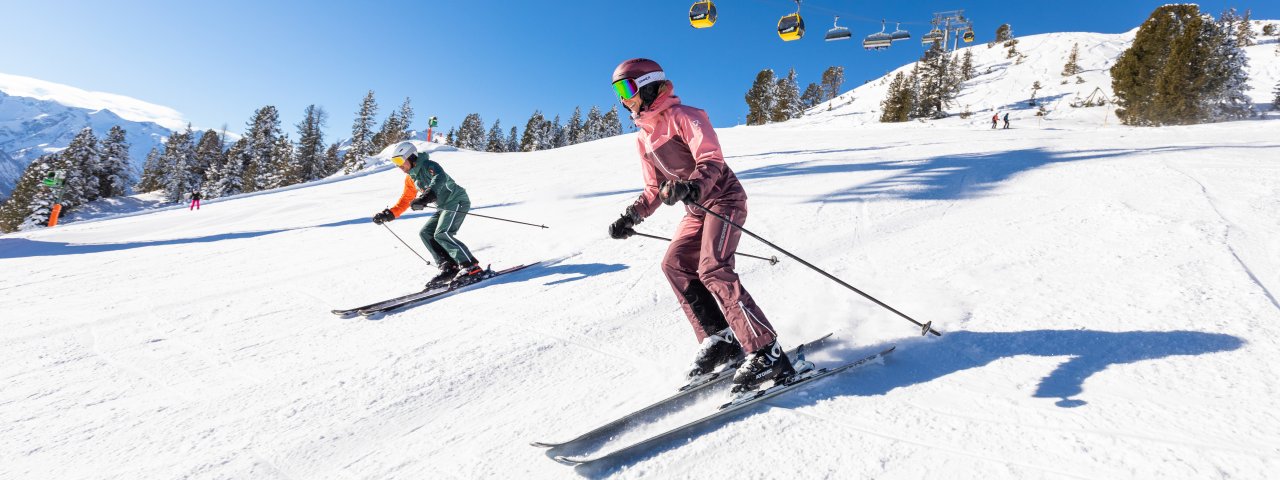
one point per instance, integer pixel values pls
(1103, 293)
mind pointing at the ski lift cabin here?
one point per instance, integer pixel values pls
(837, 32)
(791, 27)
(899, 34)
(702, 14)
(968, 35)
(878, 41)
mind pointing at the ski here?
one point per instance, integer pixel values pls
(433, 294)
(351, 312)
(740, 403)
(684, 392)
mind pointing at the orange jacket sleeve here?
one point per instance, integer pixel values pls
(410, 193)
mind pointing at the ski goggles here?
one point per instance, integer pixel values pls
(399, 161)
(628, 88)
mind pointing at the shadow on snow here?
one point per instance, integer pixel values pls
(922, 360)
(24, 247)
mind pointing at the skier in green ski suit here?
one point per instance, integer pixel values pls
(457, 264)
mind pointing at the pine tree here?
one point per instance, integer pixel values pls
(1004, 33)
(1182, 68)
(966, 66)
(593, 128)
(896, 106)
(1225, 74)
(30, 202)
(1013, 49)
(231, 177)
(113, 178)
(513, 141)
(181, 172)
(529, 141)
(81, 162)
(1244, 31)
(557, 135)
(260, 170)
(332, 161)
(574, 128)
(311, 161)
(152, 170)
(812, 96)
(406, 119)
(610, 124)
(288, 172)
(361, 146)
(451, 139)
(1073, 62)
(210, 160)
(760, 98)
(471, 135)
(832, 80)
(1269, 30)
(939, 82)
(497, 142)
(787, 105)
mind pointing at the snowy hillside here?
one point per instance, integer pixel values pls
(1108, 298)
(38, 117)
(1002, 84)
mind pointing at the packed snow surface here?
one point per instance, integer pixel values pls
(1107, 297)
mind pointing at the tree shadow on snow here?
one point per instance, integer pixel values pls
(921, 360)
(25, 247)
(946, 177)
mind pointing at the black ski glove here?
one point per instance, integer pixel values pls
(679, 191)
(421, 202)
(384, 216)
(621, 228)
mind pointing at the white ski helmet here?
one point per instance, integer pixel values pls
(402, 152)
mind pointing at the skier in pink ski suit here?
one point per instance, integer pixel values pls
(681, 161)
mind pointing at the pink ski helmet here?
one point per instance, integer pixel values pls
(632, 75)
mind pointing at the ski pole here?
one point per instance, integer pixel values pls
(486, 216)
(771, 260)
(406, 245)
(925, 328)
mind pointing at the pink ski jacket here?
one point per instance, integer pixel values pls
(676, 142)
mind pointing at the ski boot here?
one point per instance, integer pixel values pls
(765, 364)
(718, 349)
(469, 273)
(447, 271)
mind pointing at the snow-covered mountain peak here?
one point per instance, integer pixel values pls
(125, 107)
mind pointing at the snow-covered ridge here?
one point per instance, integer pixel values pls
(128, 108)
(1005, 84)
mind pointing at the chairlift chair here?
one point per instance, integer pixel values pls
(900, 34)
(968, 35)
(702, 14)
(934, 35)
(837, 32)
(791, 26)
(878, 41)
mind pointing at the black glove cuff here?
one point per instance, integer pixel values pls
(632, 215)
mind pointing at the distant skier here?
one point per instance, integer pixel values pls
(457, 264)
(195, 201)
(681, 160)
(1006, 120)
(995, 120)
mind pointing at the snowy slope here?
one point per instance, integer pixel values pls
(1108, 298)
(1004, 85)
(39, 117)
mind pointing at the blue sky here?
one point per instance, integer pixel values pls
(218, 61)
